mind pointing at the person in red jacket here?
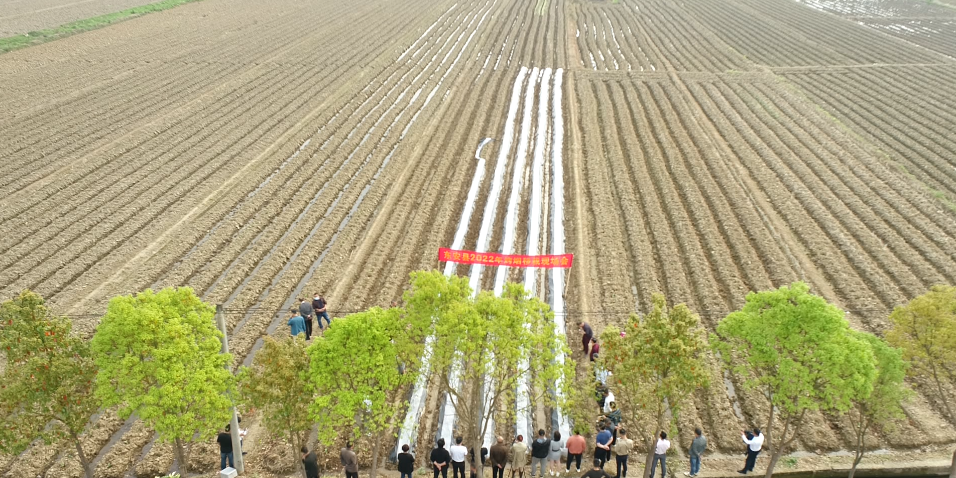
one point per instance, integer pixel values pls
(595, 348)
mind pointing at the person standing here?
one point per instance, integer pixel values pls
(458, 453)
(305, 310)
(597, 471)
(519, 457)
(318, 306)
(660, 455)
(349, 461)
(697, 448)
(602, 448)
(310, 462)
(554, 457)
(754, 443)
(296, 323)
(406, 463)
(440, 459)
(225, 449)
(588, 335)
(622, 448)
(499, 458)
(576, 445)
(539, 453)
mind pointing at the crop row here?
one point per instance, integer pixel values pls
(667, 212)
(906, 125)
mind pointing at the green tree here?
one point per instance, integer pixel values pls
(880, 408)
(499, 344)
(278, 385)
(655, 365)
(46, 383)
(799, 351)
(359, 368)
(925, 329)
(159, 357)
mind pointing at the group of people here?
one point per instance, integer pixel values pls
(545, 454)
(300, 319)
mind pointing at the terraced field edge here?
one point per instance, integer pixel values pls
(50, 34)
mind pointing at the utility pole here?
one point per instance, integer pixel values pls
(234, 422)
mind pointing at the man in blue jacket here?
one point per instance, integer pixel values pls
(296, 323)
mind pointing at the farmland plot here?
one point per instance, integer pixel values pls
(701, 149)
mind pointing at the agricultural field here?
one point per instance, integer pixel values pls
(259, 152)
(18, 17)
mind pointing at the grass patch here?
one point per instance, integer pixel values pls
(80, 26)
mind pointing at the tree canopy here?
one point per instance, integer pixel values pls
(501, 347)
(158, 355)
(655, 364)
(880, 407)
(925, 329)
(278, 385)
(46, 383)
(358, 368)
(799, 350)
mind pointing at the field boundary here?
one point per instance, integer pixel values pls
(38, 37)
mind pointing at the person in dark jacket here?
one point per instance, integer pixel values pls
(225, 449)
(440, 459)
(499, 458)
(310, 462)
(305, 309)
(586, 338)
(539, 452)
(406, 463)
(318, 305)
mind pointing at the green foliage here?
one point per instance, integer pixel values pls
(46, 384)
(278, 385)
(159, 357)
(357, 373)
(798, 349)
(525, 348)
(925, 329)
(880, 408)
(79, 26)
(655, 362)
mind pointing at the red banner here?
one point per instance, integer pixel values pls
(493, 259)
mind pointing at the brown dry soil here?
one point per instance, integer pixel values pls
(260, 152)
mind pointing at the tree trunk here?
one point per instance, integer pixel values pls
(942, 395)
(180, 451)
(952, 468)
(774, 458)
(856, 461)
(649, 458)
(373, 473)
(769, 441)
(87, 470)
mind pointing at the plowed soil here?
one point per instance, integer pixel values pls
(260, 152)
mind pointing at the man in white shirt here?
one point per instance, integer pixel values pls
(754, 442)
(660, 455)
(458, 453)
(607, 402)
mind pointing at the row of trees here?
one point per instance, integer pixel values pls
(157, 355)
(795, 348)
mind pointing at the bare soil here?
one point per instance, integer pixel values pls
(262, 154)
